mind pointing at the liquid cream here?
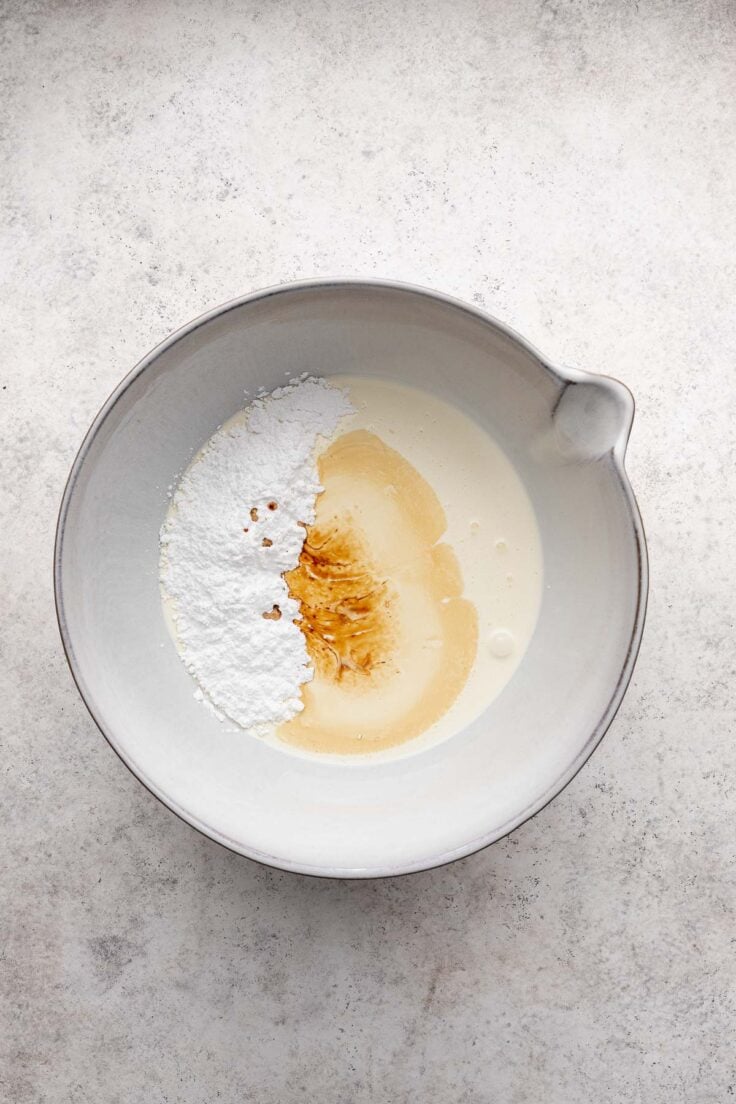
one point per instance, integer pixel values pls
(490, 530)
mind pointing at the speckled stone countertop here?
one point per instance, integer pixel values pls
(568, 164)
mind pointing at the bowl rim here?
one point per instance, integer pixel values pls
(564, 376)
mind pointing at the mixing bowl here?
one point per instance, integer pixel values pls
(564, 431)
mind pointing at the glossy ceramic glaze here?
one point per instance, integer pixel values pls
(565, 432)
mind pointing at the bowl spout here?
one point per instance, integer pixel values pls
(593, 417)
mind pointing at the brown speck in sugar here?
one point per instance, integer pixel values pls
(274, 615)
(253, 514)
(266, 542)
(273, 505)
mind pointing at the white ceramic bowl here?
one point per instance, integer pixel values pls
(565, 432)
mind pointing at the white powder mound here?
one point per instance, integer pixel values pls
(219, 569)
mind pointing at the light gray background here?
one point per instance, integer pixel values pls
(568, 164)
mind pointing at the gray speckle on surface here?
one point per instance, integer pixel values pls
(569, 165)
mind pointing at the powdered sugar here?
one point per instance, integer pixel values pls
(235, 525)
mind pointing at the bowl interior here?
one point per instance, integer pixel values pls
(300, 813)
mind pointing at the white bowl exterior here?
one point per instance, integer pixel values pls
(363, 818)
